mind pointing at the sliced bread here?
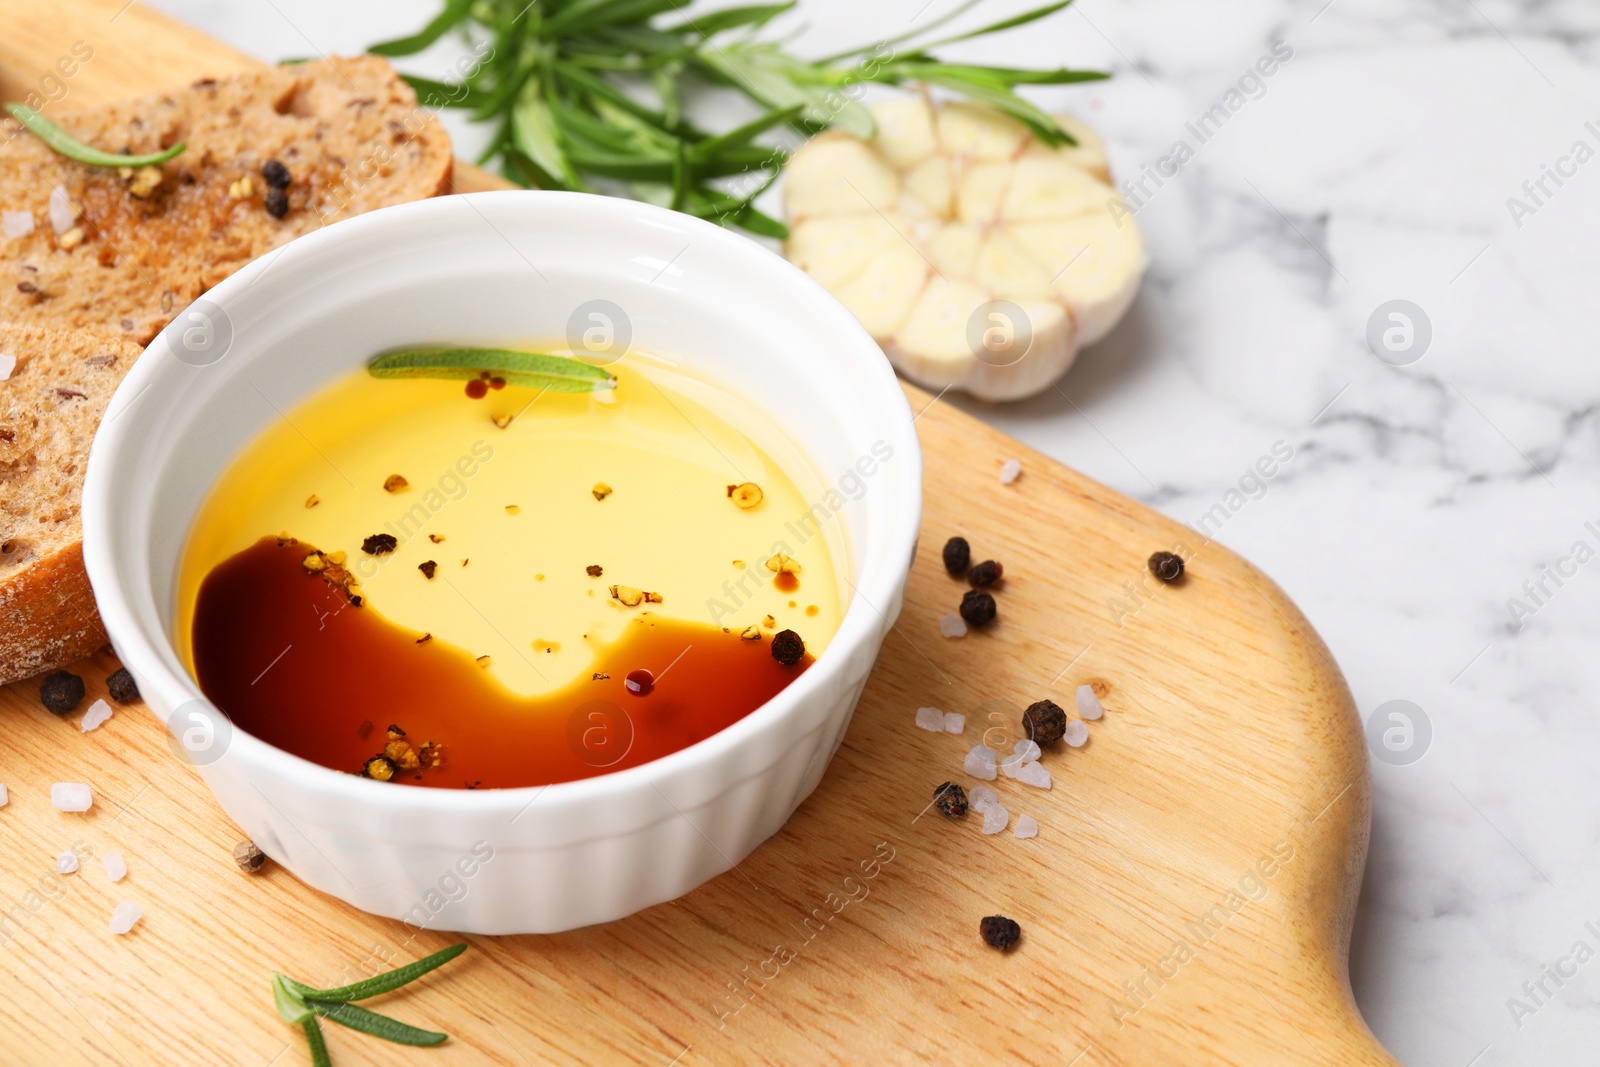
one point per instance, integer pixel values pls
(118, 250)
(94, 262)
(55, 386)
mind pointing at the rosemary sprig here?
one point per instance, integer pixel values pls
(304, 1006)
(565, 87)
(64, 143)
(538, 370)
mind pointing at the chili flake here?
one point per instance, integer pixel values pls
(951, 800)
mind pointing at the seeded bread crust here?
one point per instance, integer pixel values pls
(49, 408)
(76, 308)
(349, 131)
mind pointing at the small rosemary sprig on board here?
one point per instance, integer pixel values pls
(565, 80)
(303, 1006)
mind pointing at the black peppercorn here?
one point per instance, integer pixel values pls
(275, 173)
(1044, 722)
(951, 799)
(61, 692)
(986, 573)
(977, 607)
(427, 568)
(999, 932)
(379, 544)
(787, 648)
(276, 201)
(957, 555)
(124, 690)
(1166, 566)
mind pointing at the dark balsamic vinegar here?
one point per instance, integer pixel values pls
(287, 658)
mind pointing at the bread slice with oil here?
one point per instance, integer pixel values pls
(82, 292)
(124, 252)
(56, 387)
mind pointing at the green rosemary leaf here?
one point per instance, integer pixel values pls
(319, 1047)
(1004, 24)
(743, 135)
(658, 45)
(533, 133)
(437, 94)
(592, 14)
(581, 91)
(65, 144)
(601, 89)
(944, 19)
(391, 980)
(454, 11)
(999, 97)
(537, 370)
(370, 1022)
(754, 17)
(765, 73)
(664, 80)
(291, 1005)
(506, 89)
(759, 224)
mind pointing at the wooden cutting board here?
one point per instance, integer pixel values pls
(1188, 898)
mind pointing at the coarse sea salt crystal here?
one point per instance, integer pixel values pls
(123, 916)
(116, 867)
(1027, 748)
(995, 819)
(66, 863)
(1035, 775)
(955, 722)
(980, 763)
(8, 363)
(1012, 765)
(952, 626)
(16, 223)
(1010, 471)
(5, 797)
(71, 796)
(1027, 826)
(62, 213)
(98, 713)
(1076, 733)
(931, 719)
(980, 798)
(1089, 704)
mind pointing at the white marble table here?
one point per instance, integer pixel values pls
(1378, 163)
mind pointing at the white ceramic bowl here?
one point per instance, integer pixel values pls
(483, 268)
